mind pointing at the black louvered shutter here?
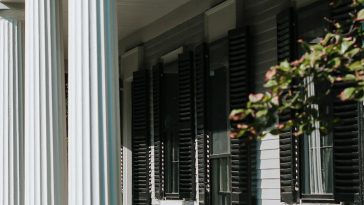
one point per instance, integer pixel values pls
(239, 89)
(347, 133)
(288, 144)
(347, 148)
(158, 138)
(186, 130)
(140, 137)
(203, 141)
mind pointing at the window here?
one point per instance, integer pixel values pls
(317, 154)
(318, 163)
(221, 181)
(317, 168)
(220, 140)
(217, 114)
(169, 131)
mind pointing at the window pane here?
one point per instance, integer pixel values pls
(172, 164)
(318, 164)
(224, 175)
(215, 181)
(170, 122)
(218, 112)
(221, 181)
(327, 163)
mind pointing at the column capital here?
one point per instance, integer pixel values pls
(12, 10)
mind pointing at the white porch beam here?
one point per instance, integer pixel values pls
(12, 10)
(11, 109)
(94, 117)
(3, 6)
(45, 130)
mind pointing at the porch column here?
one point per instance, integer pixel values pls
(94, 134)
(11, 111)
(45, 130)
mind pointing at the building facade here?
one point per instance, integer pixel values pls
(174, 81)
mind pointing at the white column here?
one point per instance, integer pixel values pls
(11, 111)
(94, 118)
(45, 130)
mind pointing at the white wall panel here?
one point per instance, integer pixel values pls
(267, 183)
(269, 202)
(269, 193)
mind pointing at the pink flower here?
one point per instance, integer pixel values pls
(280, 126)
(275, 100)
(270, 73)
(242, 126)
(256, 97)
(233, 134)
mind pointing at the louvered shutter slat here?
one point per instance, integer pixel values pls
(239, 88)
(347, 133)
(346, 148)
(158, 138)
(288, 144)
(140, 137)
(186, 131)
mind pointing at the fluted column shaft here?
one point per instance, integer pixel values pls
(45, 130)
(11, 111)
(94, 135)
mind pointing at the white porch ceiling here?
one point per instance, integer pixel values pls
(132, 14)
(135, 14)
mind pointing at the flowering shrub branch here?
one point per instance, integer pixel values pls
(338, 58)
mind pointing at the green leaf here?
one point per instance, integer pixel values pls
(270, 84)
(285, 66)
(349, 77)
(355, 66)
(352, 52)
(261, 113)
(360, 15)
(336, 62)
(314, 56)
(327, 38)
(347, 93)
(331, 79)
(237, 114)
(345, 45)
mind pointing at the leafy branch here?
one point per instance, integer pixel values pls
(337, 59)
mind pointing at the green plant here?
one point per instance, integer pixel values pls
(338, 58)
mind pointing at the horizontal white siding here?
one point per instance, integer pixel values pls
(268, 172)
(262, 18)
(268, 183)
(269, 202)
